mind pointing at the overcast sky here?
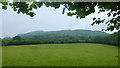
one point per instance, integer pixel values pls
(46, 19)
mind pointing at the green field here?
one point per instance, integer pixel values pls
(79, 54)
(0, 56)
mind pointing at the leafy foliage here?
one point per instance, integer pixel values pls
(114, 38)
(78, 9)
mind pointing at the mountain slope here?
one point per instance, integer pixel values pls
(62, 35)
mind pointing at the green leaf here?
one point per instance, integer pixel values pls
(111, 28)
(31, 14)
(4, 7)
(14, 9)
(94, 18)
(82, 16)
(10, 4)
(69, 14)
(4, 3)
(39, 4)
(47, 4)
(55, 5)
(34, 6)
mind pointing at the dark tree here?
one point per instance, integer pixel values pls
(17, 38)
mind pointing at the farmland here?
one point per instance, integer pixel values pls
(77, 54)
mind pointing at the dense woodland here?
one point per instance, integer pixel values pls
(62, 37)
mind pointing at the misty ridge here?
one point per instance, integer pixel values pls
(62, 37)
(62, 34)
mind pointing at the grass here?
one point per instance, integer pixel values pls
(0, 56)
(79, 54)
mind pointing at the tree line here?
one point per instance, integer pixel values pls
(112, 39)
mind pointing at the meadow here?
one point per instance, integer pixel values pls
(0, 56)
(76, 54)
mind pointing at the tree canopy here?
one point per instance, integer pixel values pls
(78, 9)
(17, 38)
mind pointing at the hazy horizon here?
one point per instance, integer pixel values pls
(46, 19)
(53, 30)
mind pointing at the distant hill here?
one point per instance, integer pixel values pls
(7, 38)
(62, 35)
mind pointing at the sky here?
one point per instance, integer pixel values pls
(46, 19)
